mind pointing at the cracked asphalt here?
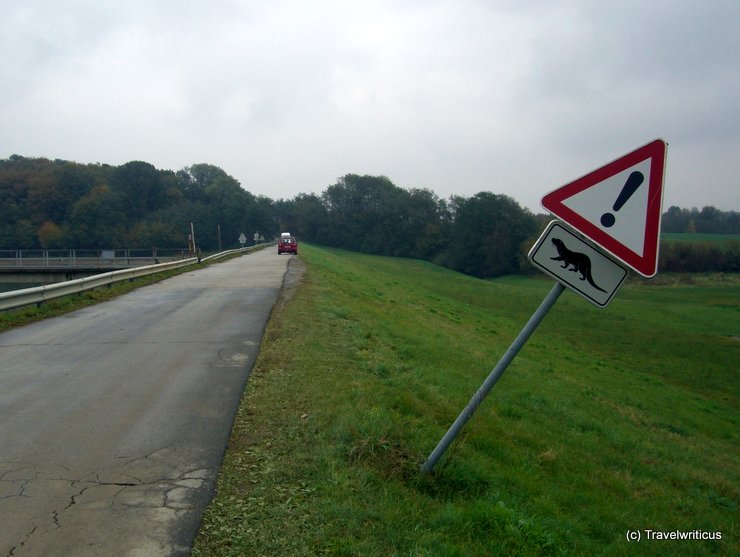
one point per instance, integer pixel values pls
(114, 419)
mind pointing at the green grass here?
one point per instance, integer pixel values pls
(609, 420)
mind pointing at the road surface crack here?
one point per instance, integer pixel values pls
(20, 545)
(168, 493)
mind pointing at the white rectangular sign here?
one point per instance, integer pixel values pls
(577, 264)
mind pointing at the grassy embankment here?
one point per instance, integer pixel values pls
(608, 421)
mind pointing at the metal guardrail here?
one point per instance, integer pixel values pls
(39, 294)
(232, 252)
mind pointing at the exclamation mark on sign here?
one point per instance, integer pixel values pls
(630, 187)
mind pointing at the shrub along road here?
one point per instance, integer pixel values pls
(114, 418)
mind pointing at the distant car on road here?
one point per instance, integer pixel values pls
(287, 244)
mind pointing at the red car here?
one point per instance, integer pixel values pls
(287, 244)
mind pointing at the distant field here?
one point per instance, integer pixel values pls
(712, 238)
(610, 422)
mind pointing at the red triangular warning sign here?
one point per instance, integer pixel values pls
(618, 206)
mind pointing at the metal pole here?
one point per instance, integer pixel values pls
(494, 376)
(192, 236)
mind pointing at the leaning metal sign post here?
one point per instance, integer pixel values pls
(490, 381)
(617, 207)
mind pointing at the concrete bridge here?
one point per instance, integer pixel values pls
(49, 266)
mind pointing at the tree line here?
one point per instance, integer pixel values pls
(482, 235)
(693, 255)
(61, 204)
(709, 220)
(47, 204)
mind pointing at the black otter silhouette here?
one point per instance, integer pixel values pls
(580, 261)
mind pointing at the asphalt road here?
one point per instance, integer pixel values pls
(114, 418)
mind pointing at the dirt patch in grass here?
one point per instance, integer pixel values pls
(291, 280)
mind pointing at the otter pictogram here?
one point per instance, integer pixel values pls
(580, 261)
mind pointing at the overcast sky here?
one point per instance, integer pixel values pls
(509, 96)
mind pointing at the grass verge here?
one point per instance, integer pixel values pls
(609, 421)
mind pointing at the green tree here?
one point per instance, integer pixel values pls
(365, 213)
(25, 235)
(97, 222)
(304, 216)
(51, 236)
(675, 219)
(138, 189)
(260, 216)
(427, 223)
(157, 234)
(487, 234)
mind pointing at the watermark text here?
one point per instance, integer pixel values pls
(647, 534)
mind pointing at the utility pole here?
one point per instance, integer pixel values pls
(196, 251)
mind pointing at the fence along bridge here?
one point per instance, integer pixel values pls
(46, 266)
